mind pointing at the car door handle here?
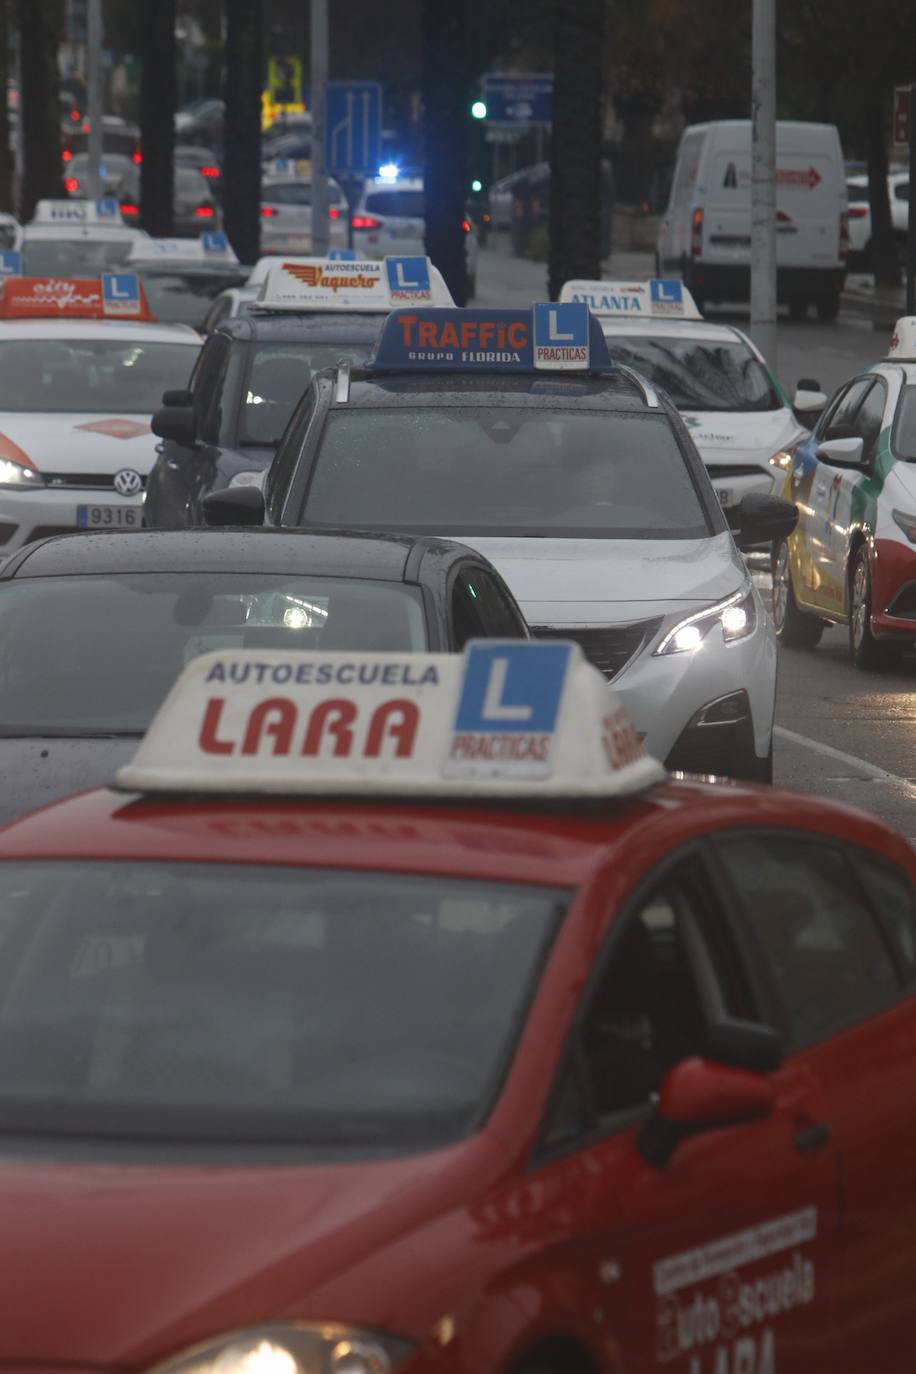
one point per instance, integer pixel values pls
(812, 1137)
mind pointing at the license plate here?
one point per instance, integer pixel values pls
(726, 496)
(109, 517)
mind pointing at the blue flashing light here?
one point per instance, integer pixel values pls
(389, 171)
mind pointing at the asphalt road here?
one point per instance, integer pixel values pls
(840, 733)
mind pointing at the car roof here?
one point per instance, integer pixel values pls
(555, 843)
(381, 557)
(109, 233)
(547, 391)
(143, 330)
(671, 329)
(338, 326)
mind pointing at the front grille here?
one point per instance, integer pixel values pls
(6, 533)
(46, 531)
(719, 471)
(904, 603)
(94, 481)
(609, 647)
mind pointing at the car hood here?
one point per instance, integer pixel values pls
(39, 770)
(99, 444)
(137, 1262)
(719, 434)
(611, 581)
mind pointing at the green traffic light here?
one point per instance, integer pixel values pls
(476, 185)
(479, 109)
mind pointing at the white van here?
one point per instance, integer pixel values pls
(705, 235)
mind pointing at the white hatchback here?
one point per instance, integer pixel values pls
(286, 214)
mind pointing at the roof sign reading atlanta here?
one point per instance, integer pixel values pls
(508, 719)
(658, 298)
(549, 337)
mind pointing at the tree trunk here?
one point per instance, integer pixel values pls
(242, 132)
(7, 199)
(39, 27)
(575, 147)
(446, 100)
(885, 258)
(157, 118)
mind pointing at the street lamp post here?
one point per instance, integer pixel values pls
(763, 180)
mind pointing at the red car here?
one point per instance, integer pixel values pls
(401, 1019)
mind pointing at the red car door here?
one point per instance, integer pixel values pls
(721, 1257)
(836, 927)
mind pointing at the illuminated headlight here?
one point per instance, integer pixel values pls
(18, 475)
(319, 1349)
(907, 523)
(782, 460)
(737, 616)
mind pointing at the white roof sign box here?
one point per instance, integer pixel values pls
(208, 248)
(331, 284)
(506, 719)
(903, 341)
(658, 298)
(106, 210)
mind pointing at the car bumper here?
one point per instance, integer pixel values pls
(893, 576)
(27, 516)
(729, 281)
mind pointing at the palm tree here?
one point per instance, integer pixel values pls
(157, 117)
(446, 102)
(242, 138)
(575, 146)
(39, 26)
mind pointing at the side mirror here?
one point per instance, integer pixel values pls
(762, 519)
(177, 398)
(841, 453)
(178, 423)
(698, 1095)
(234, 506)
(809, 402)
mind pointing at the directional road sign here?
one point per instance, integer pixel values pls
(522, 98)
(353, 126)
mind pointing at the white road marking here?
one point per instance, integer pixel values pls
(871, 770)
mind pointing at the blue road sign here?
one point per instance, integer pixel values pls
(519, 99)
(512, 688)
(353, 126)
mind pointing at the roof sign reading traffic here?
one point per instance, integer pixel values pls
(344, 284)
(655, 299)
(903, 340)
(213, 247)
(549, 337)
(116, 295)
(106, 210)
(508, 718)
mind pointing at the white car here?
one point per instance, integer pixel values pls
(735, 409)
(286, 214)
(898, 191)
(390, 221)
(76, 397)
(76, 238)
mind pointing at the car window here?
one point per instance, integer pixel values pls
(902, 190)
(278, 376)
(823, 947)
(700, 374)
(467, 616)
(217, 425)
(407, 204)
(892, 897)
(505, 470)
(869, 419)
(496, 612)
(124, 376)
(840, 421)
(903, 440)
(287, 456)
(288, 193)
(857, 192)
(73, 257)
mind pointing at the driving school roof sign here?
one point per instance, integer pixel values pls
(105, 210)
(113, 296)
(549, 337)
(508, 719)
(344, 284)
(657, 298)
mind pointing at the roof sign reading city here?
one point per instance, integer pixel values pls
(209, 247)
(105, 210)
(549, 337)
(903, 341)
(511, 718)
(659, 298)
(342, 284)
(114, 296)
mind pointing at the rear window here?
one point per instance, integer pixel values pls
(406, 204)
(74, 257)
(505, 470)
(857, 192)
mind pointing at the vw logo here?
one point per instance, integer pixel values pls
(127, 482)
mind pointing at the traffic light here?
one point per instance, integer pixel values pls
(479, 110)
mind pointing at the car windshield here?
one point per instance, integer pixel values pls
(700, 374)
(252, 1004)
(125, 639)
(123, 376)
(277, 376)
(505, 471)
(184, 297)
(904, 438)
(406, 204)
(74, 257)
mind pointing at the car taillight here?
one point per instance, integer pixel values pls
(204, 212)
(696, 233)
(211, 173)
(466, 225)
(844, 234)
(136, 157)
(66, 155)
(782, 217)
(333, 212)
(76, 116)
(857, 211)
(267, 212)
(128, 208)
(366, 222)
(71, 185)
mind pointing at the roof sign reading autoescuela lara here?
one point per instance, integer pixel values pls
(505, 719)
(549, 337)
(114, 296)
(335, 283)
(660, 298)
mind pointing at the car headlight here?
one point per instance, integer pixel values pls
(14, 474)
(737, 615)
(325, 1348)
(907, 523)
(782, 460)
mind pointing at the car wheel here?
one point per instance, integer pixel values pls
(828, 307)
(794, 628)
(867, 651)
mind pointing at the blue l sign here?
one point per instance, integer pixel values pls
(120, 293)
(512, 687)
(561, 335)
(408, 278)
(666, 295)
